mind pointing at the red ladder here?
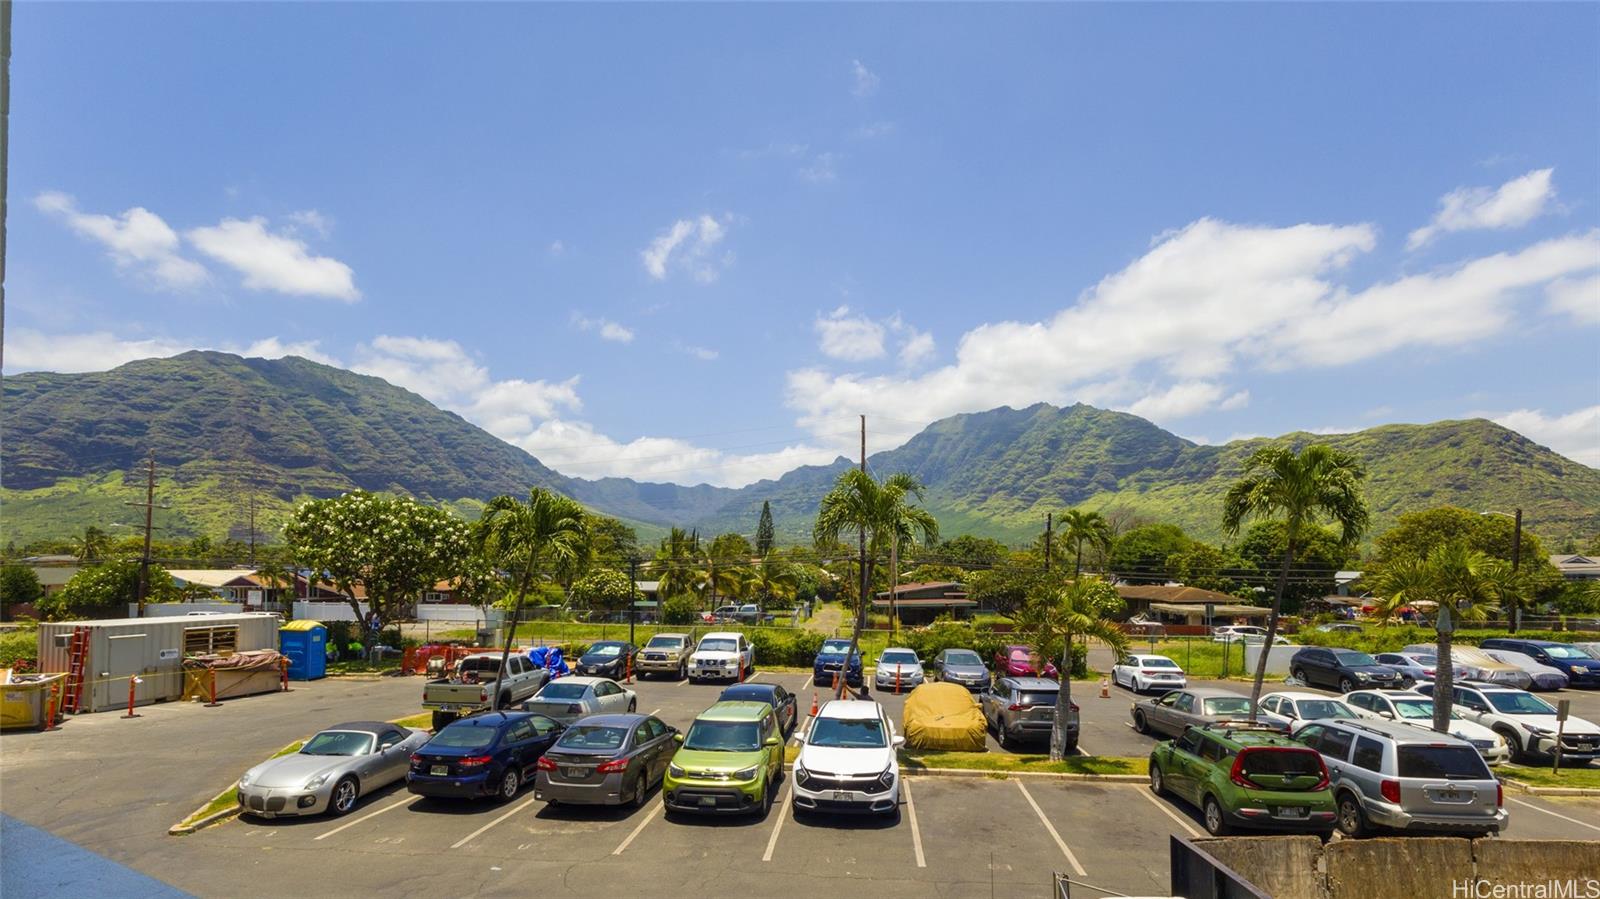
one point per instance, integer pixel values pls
(77, 657)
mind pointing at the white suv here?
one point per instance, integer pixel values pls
(1415, 709)
(847, 762)
(722, 655)
(1527, 722)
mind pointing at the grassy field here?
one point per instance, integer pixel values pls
(1198, 656)
(913, 760)
(1586, 777)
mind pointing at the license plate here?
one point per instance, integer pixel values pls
(841, 795)
(1291, 811)
(708, 800)
(439, 770)
(576, 772)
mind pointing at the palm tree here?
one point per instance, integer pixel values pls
(858, 501)
(771, 579)
(1060, 614)
(94, 545)
(1461, 583)
(675, 563)
(1079, 527)
(517, 535)
(1297, 488)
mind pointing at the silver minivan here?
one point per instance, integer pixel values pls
(1385, 774)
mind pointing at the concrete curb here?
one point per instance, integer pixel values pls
(1038, 775)
(178, 830)
(1526, 787)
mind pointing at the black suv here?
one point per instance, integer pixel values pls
(1343, 670)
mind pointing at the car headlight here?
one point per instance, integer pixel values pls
(1499, 741)
(1577, 669)
(745, 774)
(674, 770)
(315, 782)
(887, 777)
(1539, 731)
(245, 780)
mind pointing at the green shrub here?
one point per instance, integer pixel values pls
(679, 610)
(19, 649)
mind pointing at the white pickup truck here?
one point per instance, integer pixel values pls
(722, 655)
(476, 684)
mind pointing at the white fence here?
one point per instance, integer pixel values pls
(454, 613)
(1277, 660)
(327, 611)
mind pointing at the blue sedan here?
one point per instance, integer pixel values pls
(492, 754)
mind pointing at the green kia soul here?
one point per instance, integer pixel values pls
(1246, 776)
(731, 761)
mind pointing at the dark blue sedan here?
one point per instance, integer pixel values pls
(492, 754)
(782, 701)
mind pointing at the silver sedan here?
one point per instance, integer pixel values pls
(331, 771)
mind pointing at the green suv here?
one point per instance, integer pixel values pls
(731, 761)
(1246, 776)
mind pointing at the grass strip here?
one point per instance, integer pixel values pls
(920, 760)
(230, 797)
(1586, 777)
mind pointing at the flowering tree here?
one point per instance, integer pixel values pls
(391, 546)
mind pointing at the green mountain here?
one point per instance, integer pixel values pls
(229, 433)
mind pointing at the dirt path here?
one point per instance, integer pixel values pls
(827, 620)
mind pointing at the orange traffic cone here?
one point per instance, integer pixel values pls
(813, 703)
(1105, 688)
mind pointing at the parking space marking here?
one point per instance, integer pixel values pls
(654, 712)
(783, 812)
(474, 835)
(1071, 859)
(1182, 822)
(807, 685)
(654, 810)
(752, 677)
(916, 832)
(348, 824)
(1548, 812)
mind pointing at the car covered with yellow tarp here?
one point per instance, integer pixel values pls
(943, 716)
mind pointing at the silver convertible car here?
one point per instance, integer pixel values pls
(331, 771)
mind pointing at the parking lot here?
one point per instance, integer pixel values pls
(954, 836)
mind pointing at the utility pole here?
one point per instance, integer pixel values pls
(861, 599)
(1516, 561)
(1048, 523)
(633, 595)
(252, 527)
(149, 506)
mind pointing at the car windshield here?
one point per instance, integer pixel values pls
(1520, 704)
(558, 690)
(716, 646)
(836, 646)
(1019, 654)
(463, 736)
(338, 742)
(1564, 652)
(901, 657)
(1449, 762)
(962, 657)
(1228, 705)
(1351, 657)
(1415, 708)
(847, 733)
(481, 667)
(605, 649)
(1324, 708)
(1039, 697)
(592, 736)
(724, 736)
(1156, 662)
(665, 642)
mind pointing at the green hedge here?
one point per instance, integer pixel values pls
(19, 646)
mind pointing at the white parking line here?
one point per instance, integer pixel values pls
(474, 835)
(1182, 822)
(783, 812)
(682, 681)
(916, 832)
(654, 810)
(348, 824)
(1071, 859)
(655, 711)
(752, 677)
(1553, 814)
(807, 685)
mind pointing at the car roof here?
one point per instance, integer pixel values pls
(367, 727)
(579, 679)
(617, 719)
(608, 643)
(726, 635)
(850, 709)
(739, 691)
(1149, 655)
(1242, 734)
(899, 649)
(1398, 731)
(1034, 683)
(735, 710)
(1300, 695)
(1391, 694)
(679, 636)
(489, 719)
(1213, 692)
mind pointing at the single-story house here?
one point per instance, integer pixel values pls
(53, 572)
(921, 603)
(1179, 604)
(1576, 567)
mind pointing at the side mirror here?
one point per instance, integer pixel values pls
(774, 741)
(898, 741)
(1386, 713)
(677, 737)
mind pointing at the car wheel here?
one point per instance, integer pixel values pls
(441, 720)
(1345, 686)
(510, 783)
(1157, 786)
(1299, 674)
(1139, 724)
(1512, 742)
(1216, 824)
(766, 798)
(641, 791)
(344, 796)
(1352, 820)
(683, 671)
(1002, 734)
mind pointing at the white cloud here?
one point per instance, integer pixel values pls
(853, 338)
(576, 448)
(916, 348)
(821, 168)
(608, 329)
(1162, 335)
(873, 130)
(1513, 204)
(276, 262)
(138, 240)
(1577, 297)
(1575, 435)
(865, 81)
(313, 220)
(557, 248)
(688, 245)
(30, 350)
(1235, 401)
(702, 353)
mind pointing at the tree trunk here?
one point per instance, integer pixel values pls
(855, 638)
(1077, 565)
(505, 654)
(1272, 621)
(1058, 727)
(894, 584)
(1444, 676)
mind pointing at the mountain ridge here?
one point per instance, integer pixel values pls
(225, 428)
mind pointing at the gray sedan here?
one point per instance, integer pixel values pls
(961, 666)
(331, 771)
(568, 699)
(606, 760)
(1172, 713)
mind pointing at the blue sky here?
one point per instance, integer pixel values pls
(692, 243)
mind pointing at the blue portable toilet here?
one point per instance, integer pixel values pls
(305, 644)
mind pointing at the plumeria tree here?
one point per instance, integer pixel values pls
(391, 547)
